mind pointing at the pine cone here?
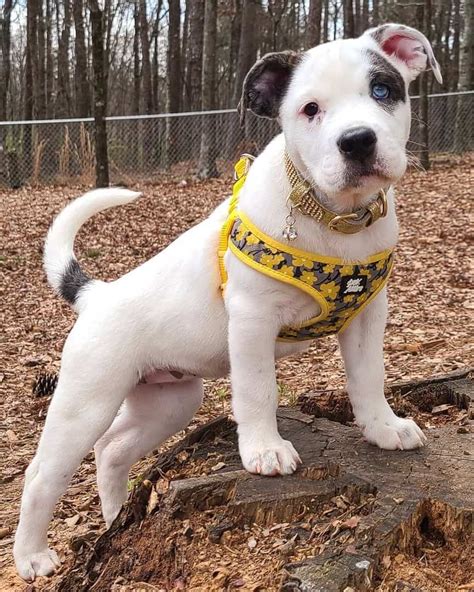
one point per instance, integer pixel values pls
(45, 385)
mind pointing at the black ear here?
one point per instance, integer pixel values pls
(266, 83)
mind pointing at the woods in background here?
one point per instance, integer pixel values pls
(166, 56)
(82, 58)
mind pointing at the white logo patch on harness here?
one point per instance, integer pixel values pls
(354, 285)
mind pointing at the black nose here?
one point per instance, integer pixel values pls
(358, 143)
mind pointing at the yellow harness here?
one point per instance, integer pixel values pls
(341, 289)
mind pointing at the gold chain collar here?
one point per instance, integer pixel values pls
(303, 199)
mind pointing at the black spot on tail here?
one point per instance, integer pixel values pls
(73, 280)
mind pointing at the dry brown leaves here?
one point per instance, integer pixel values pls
(429, 330)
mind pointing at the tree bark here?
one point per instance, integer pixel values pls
(40, 84)
(49, 61)
(365, 16)
(5, 41)
(313, 30)
(146, 67)
(193, 84)
(81, 76)
(174, 58)
(375, 21)
(174, 81)
(63, 106)
(136, 61)
(235, 32)
(29, 85)
(326, 22)
(100, 94)
(466, 58)
(463, 128)
(247, 46)
(424, 101)
(207, 157)
(349, 24)
(155, 75)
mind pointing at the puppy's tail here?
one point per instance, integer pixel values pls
(62, 268)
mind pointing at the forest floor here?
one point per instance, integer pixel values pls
(429, 331)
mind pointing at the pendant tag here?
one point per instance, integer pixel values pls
(290, 232)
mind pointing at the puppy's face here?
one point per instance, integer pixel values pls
(344, 107)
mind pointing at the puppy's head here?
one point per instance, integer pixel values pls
(343, 107)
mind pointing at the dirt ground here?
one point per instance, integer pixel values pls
(429, 332)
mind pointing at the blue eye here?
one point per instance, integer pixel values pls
(380, 92)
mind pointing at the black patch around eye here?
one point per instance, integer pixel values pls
(382, 72)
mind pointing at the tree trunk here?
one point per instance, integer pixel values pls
(326, 22)
(424, 101)
(235, 32)
(174, 70)
(64, 95)
(365, 16)
(136, 62)
(313, 30)
(155, 75)
(349, 24)
(466, 58)
(375, 13)
(207, 157)
(49, 61)
(146, 67)
(192, 93)
(81, 78)
(357, 17)
(174, 81)
(247, 46)
(463, 130)
(100, 94)
(29, 85)
(5, 39)
(454, 74)
(40, 84)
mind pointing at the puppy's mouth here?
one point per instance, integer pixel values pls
(364, 175)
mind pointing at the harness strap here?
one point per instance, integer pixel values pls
(241, 169)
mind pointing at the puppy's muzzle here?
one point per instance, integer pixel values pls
(358, 144)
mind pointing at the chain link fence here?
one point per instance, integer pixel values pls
(144, 148)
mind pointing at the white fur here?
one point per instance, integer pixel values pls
(169, 314)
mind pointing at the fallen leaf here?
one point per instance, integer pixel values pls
(351, 522)
(251, 543)
(218, 466)
(152, 501)
(73, 520)
(11, 436)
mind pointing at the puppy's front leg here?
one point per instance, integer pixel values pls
(362, 349)
(252, 333)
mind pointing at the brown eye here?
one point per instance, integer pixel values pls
(311, 109)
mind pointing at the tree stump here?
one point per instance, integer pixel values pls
(337, 524)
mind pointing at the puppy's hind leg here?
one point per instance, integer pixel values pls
(150, 414)
(90, 391)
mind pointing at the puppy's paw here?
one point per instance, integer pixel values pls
(270, 458)
(394, 433)
(32, 565)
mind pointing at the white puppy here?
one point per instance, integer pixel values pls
(133, 365)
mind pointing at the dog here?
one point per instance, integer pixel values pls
(133, 365)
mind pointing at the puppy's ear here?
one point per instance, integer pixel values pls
(266, 83)
(407, 45)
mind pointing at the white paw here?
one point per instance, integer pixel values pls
(277, 457)
(31, 565)
(394, 433)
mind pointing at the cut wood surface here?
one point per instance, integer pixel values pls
(386, 503)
